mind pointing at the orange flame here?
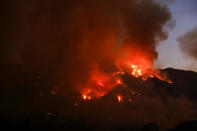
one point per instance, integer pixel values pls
(85, 97)
(100, 83)
(119, 98)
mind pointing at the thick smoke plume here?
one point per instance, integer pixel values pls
(70, 39)
(188, 43)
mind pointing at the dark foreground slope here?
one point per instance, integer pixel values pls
(157, 105)
(185, 82)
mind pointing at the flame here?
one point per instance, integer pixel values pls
(119, 81)
(85, 97)
(136, 72)
(100, 83)
(119, 98)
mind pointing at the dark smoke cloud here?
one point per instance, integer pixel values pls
(168, 2)
(70, 37)
(188, 43)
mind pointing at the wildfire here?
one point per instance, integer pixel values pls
(101, 83)
(148, 73)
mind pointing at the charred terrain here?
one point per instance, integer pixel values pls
(168, 105)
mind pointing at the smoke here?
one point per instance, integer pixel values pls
(69, 39)
(188, 43)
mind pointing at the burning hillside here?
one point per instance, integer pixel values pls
(132, 102)
(102, 83)
(89, 60)
(86, 44)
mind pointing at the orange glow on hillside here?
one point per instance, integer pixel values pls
(138, 66)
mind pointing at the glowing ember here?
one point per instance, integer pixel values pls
(119, 98)
(119, 81)
(139, 72)
(136, 72)
(130, 100)
(132, 92)
(133, 66)
(85, 97)
(75, 104)
(89, 98)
